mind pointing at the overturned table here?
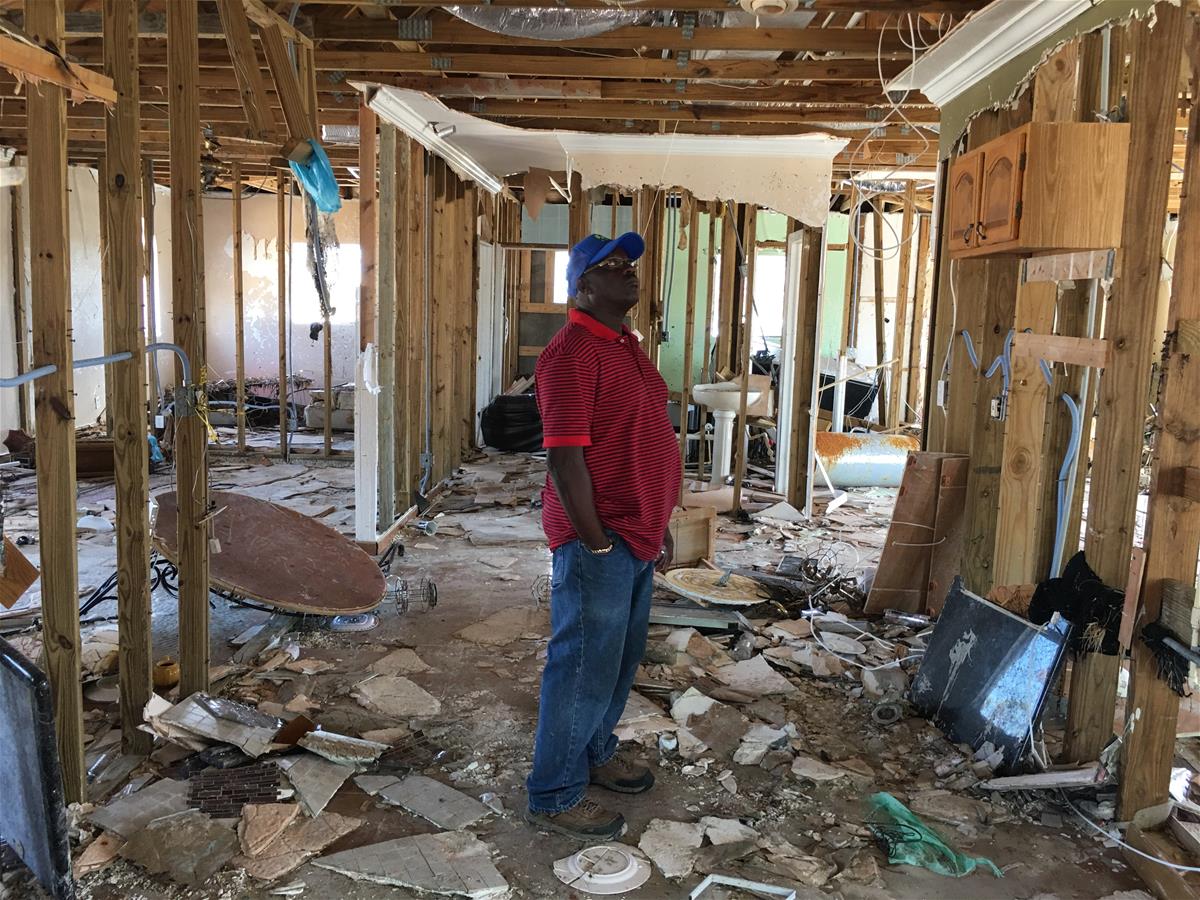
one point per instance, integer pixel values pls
(278, 557)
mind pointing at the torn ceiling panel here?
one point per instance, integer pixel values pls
(790, 174)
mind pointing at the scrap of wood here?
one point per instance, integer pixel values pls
(1165, 882)
(1062, 778)
(287, 84)
(17, 575)
(255, 101)
(258, 12)
(27, 61)
(1091, 352)
(1188, 835)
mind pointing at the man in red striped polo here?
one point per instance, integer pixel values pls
(614, 477)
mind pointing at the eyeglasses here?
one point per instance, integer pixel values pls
(614, 263)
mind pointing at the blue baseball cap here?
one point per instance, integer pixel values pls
(596, 248)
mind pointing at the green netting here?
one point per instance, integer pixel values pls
(910, 842)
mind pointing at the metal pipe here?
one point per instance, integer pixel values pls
(864, 460)
(26, 377)
(92, 361)
(178, 351)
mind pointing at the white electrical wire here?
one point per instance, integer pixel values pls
(1124, 845)
(866, 194)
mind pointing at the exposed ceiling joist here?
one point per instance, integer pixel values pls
(596, 67)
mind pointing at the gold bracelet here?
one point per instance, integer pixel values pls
(605, 551)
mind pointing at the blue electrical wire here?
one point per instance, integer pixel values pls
(1066, 483)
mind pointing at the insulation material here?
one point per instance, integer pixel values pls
(790, 174)
(547, 24)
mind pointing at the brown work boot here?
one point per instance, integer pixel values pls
(622, 775)
(585, 821)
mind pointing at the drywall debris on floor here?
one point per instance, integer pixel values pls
(672, 846)
(262, 823)
(128, 815)
(343, 750)
(314, 779)
(396, 697)
(450, 864)
(298, 843)
(431, 800)
(399, 662)
(188, 847)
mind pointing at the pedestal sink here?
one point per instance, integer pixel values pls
(723, 399)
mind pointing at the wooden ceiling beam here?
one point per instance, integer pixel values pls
(956, 7)
(247, 68)
(555, 66)
(596, 89)
(675, 112)
(596, 67)
(816, 40)
(30, 61)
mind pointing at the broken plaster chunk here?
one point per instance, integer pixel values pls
(373, 784)
(262, 823)
(813, 769)
(98, 854)
(389, 736)
(755, 677)
(672, 846)
(727, 831)
(300, 841)
(396, 697)
(890, 682)
(399, 662)
(506, 626)
(790, 630)
(450, 864)
(431, 800)
(691, 703)
(128, 815)
(315, 780)
(339, 748)
(188, 847)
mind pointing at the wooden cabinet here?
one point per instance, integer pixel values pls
(1043, 188)
(962, 201)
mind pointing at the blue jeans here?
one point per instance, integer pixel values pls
(599, 613)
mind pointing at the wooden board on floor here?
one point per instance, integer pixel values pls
(947, 531)
(902, 577)
(18, 574)
(695, 534)
(1165, 882)
(279, 557)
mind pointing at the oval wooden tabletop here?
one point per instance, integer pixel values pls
(278, 556)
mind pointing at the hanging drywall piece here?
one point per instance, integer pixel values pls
(790, 174)
(537, 189)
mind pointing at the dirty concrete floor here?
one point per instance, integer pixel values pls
(489, 701)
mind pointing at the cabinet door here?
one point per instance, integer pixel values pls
(1000, 194)
(962, 203)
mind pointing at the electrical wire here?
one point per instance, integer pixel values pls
(1123, 844)
(865, 192)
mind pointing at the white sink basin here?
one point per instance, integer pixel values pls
(726, 396)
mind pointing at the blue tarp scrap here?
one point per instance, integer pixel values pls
(316, 174)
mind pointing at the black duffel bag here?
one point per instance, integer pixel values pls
(512, 423)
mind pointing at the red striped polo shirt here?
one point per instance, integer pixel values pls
(597, 389)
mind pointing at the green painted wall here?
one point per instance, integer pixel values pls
(771, 227)
(999, 85)
(833, 284)
(670, 354)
